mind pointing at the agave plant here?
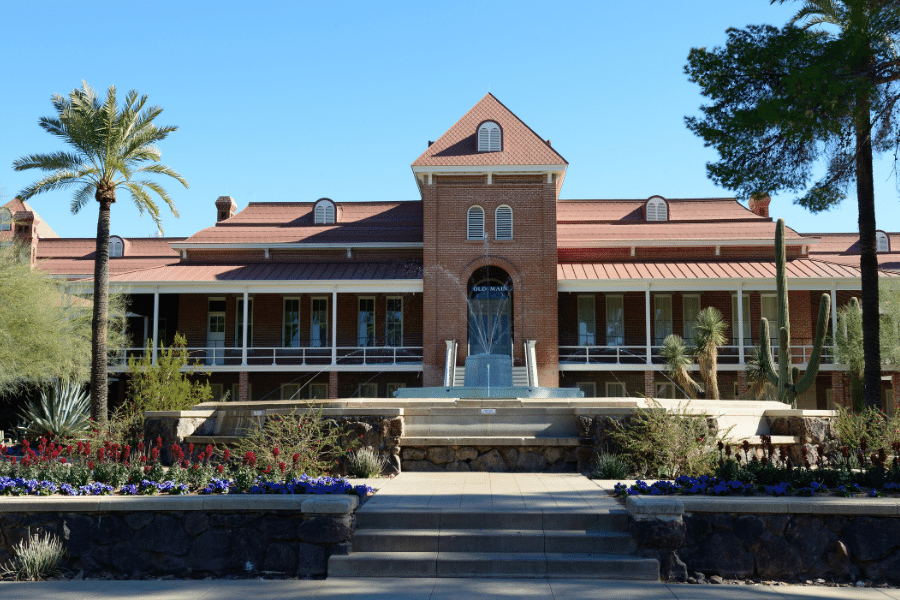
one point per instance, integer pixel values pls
(64, 410)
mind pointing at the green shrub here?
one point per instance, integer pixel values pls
(36, 558)
(366, 463)
(611, 466)
(666, 443)
(870, 424)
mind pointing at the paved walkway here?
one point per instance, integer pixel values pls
(423, 589)
(489, 492)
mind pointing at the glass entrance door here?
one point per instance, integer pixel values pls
(490, 315)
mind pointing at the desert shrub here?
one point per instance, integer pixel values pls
(294, 444)
(36, 558)
(666, 443)
(611, 466)
(869, 428)
(366, 463)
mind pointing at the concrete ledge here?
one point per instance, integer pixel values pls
(186, 414)
(305, 503)
(796, 412)
(668, 506)
(407, 442)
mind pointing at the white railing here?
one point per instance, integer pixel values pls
(625, 355)
(281, 356)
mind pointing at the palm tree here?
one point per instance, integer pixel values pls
(870, 27)
(678, 358)
(112, 149)
(709, 334)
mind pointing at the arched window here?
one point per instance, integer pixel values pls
(324, 211)
(489, 137)
(503, 223)
(475, 223)
(882, 243)
(5, 219)
(116, 247)
(657, 209)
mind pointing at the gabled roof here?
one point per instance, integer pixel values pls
(458, 146)
(15, 205)
(292, 223)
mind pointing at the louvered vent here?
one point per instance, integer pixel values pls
(657, 210)
(503, 223)
(324, 212)
(882, 242)
(489, 137)
(475, 223)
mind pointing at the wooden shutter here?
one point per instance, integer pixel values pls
(503, 224)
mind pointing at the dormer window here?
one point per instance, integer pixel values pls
(324, 212)
(656, 209)
(5, 219)
(116, 247)
(882, 242)
(489, 137)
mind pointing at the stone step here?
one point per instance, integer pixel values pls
(519, 377)
(612, 520)
(519, 565)
(507, 540)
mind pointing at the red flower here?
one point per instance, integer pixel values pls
(146, 470)
(227, 454)
(296, 457)
(276, 451)
(159, 441)
(282, 466)
(220, 469)
(154, 454)
(250, 459)
(63, 461)
(91, 465)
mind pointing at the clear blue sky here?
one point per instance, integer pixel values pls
(292, 101)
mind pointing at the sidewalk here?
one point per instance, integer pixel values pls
(423, 589)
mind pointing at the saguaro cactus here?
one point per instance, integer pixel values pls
(787, 380)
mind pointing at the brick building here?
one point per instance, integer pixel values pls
(332, 299)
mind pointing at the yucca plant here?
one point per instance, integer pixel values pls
(64, 410)
(366, 463)
(611, 466)
(36, 558)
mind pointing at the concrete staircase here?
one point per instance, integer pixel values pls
(519, 377)
(510, 544)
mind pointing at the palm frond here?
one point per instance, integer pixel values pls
(143, 201)
(82, 196)
(55, 181)
(161, 192)
(49, 162)
(159, 169)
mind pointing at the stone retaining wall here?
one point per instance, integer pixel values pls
(187, 536)
(834, 539)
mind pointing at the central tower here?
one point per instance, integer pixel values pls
(489, 188)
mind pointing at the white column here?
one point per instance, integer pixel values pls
(649, 337)
(155, 324)
(740, 320)
(834, 323)
(334, 327)
(244, 343)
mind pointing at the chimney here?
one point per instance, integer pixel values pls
(225, 208)
(25, 234)
(430, 143)
(759, 204)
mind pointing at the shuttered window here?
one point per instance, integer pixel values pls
(881, 242)
(116, 247)
(657, 210)
(503, 224)
(475, 223)
(489, 137)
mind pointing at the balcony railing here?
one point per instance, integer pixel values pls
(637, 355)
(280, 356)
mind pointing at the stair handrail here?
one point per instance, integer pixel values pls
(450, 364)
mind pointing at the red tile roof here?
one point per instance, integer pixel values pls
(279, 271)
(670, 270)
(520, 145)
(292, 222)
(75, 256)
(680, 209)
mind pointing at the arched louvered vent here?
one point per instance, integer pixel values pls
(882, 243)
(657, 210)
(116, 247)
(324, 212)
(489, 137)
(475, 223)
(503, 223)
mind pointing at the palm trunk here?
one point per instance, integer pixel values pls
(868, 260)
(99, 378)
